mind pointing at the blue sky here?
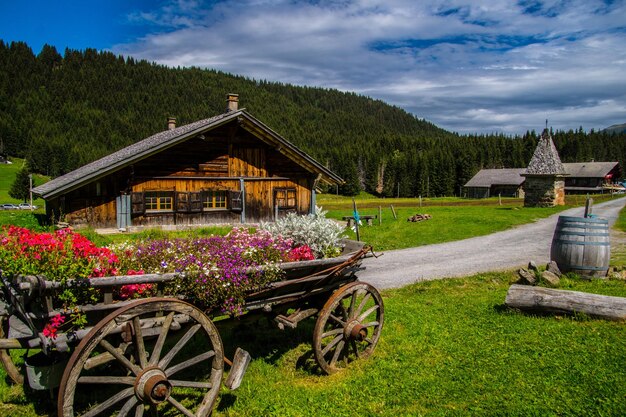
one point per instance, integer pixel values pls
(479, 66)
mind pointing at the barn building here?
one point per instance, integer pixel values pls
(230, 168)
(581, 178)
(496, 182)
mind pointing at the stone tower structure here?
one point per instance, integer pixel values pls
(544, 185)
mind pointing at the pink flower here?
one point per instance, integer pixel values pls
(50, 331)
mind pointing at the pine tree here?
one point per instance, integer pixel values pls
(20, 189)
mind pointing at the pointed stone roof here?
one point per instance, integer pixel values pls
(545, 160)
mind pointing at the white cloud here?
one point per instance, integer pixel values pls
(478, 66)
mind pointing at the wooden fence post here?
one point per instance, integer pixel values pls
(394, 212)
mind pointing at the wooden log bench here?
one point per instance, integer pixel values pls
(368, 219)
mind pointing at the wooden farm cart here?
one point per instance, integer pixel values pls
(163, 355)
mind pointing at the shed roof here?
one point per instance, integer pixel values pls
(545, 160)
(589, 169)
(487, 177)
(168, 138)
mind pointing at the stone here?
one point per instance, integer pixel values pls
(550, 278)
(526, 277)
(532, 266)
(554, 268)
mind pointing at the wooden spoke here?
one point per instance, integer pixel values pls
(352, 303)
(338, 351)
(332, 332)
(353, 316)
(179, 345)
(5, 357)
(190, 362)
(189, 384)
(363, 303)
(105, 357)
(109, 403)
(122, 380)
(106, 380)
(141, 349)
(117, 355)
(337, 320)
(367, 312)
(332, 344)
(132, 401)
(156, 352)
(180, 407)
(355, 348)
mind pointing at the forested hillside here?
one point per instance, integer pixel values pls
(61, 111)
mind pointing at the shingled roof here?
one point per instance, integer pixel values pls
(545, 160)
(168, 138)
(485, 178)
(589, 169)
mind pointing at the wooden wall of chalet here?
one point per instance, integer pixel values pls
(215, 162)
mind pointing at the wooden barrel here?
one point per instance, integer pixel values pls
(582, 245)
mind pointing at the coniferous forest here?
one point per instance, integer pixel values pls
(62, 110)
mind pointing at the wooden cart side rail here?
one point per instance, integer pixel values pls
(267, 303)
(150, 327)
(345, 262)
(31, 283)
(88, 308)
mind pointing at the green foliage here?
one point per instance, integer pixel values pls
(20, 189)
(62, 111)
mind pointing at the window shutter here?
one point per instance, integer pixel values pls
(235, 200)
(182, 201)
(137, 202)
(195, 202)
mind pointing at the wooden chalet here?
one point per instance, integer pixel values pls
(495, 182)
(592, 177)
(230, 168)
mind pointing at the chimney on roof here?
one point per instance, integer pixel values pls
(171, 123)
(232, 102)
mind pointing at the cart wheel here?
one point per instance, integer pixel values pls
(161, 356)
(348, 326)
(5, 357)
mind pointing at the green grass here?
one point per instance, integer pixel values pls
(448, 348)
(447, 224)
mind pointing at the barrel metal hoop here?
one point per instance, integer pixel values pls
(582, 219)
(583, 234)
(577, 242)
(583, 267)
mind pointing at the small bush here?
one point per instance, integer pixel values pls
(322, 235)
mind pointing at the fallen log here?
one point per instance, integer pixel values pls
(548, 300)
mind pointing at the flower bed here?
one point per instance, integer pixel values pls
(214, 271)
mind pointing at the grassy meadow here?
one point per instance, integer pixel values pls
(448, 347)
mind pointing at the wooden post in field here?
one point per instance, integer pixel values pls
(393, 212)
(420, 201)
(499, 199)
(380, 215)
(588, 206)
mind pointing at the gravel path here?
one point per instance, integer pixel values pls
(504, 250)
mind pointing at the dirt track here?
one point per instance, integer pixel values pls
(505, 250)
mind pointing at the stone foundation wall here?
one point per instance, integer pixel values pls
(544, 191)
